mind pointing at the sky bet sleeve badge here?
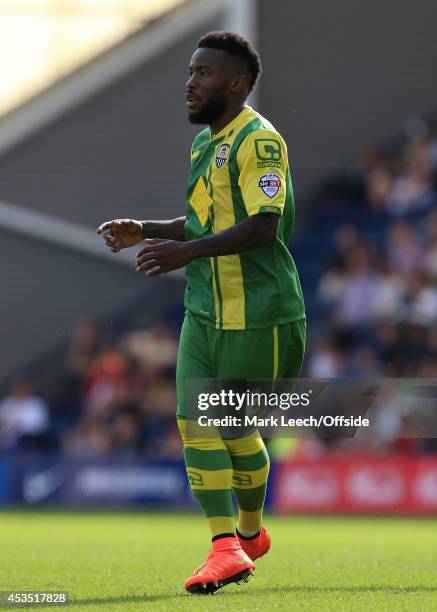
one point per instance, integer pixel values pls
(222, 155)
(270, 184)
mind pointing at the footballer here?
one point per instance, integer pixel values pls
(245, 316)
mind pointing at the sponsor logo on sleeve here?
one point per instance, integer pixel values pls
(270, 184)
(268, 151)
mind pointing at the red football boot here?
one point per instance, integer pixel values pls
(227, 562)
(256, 547)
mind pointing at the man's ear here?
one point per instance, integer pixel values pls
(238, 83)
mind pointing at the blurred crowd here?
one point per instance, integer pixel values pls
(378, 299)
(113, 397)
(378, 291)
(404, 181)
(380, 303)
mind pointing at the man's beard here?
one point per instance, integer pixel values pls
(214, 108)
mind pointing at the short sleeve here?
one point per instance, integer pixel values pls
(262, 161)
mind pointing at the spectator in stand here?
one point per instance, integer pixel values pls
(83, 347)
(350, 291)
(155, 349)
(430, 258)
(326, 361)
(365, 363)
(422, 307)
(378, 173)
(90, 438)
(24, 418)
(406, 182)
(389, 291)
(126, 433)
(347, 238)
(404, 249)
(104, 378)
(389, 302)
(127, 391)
(412, 189)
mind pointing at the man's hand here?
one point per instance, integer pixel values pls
(161, 256)
(121, 233)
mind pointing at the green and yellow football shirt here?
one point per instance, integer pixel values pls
(239, 172)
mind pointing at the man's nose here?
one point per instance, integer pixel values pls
(192, 82)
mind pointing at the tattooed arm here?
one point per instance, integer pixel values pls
(172, 230)
(164, 256)
(123, 233)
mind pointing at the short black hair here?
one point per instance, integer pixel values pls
(237, 46)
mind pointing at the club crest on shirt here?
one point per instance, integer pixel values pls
(222, 155)
(270, 184)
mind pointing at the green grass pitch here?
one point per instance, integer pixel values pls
(110, 562)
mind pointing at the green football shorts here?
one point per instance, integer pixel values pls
(249, 354)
